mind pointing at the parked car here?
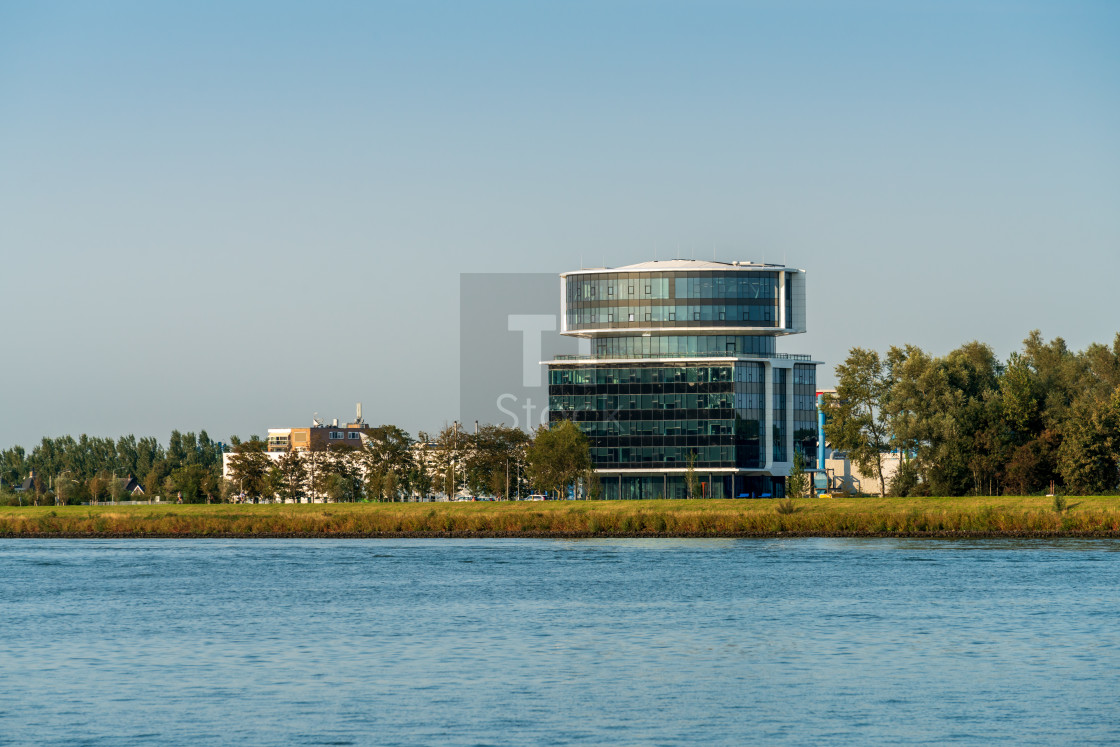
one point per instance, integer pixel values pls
(537, 497)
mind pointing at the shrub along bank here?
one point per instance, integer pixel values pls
(838, 517)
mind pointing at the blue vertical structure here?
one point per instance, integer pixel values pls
(820, 430)
(823, 484)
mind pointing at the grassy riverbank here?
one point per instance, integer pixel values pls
(824, 517)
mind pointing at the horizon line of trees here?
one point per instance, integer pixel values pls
(389, 466)
(90, 467)
(967, 423)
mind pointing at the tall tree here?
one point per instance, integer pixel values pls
(796, 482)
(855, 419)
(249, 467)
(493, 459)
(388, 462)
(190, 482)
(450, 453)
(291, 479)
(945, 411)
(1089, 456)
(558, 455)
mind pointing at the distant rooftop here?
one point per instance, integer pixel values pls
(663, 265)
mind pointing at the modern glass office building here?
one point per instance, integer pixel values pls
(683, 368)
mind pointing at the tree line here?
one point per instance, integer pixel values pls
(967, 423)
(495, 461)
(93, 468)
(390, 465)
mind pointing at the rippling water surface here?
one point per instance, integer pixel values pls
(558, 642)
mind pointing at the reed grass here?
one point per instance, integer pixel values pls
(837, 517)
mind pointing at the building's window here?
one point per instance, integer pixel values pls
(696, 316)
(722, 316)
(337, 434)
(631, 317)
(353, 436)
(647, 316)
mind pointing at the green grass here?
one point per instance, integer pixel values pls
(823, 517)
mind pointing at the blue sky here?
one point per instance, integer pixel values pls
(232, 215)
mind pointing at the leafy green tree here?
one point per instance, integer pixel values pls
(176, 451)
(946, 413)
(249, 467)
(493, 459)
(98, 488)
(558, 455)
(336, 488)
(449, 456)
(189, 481)
(904, 481)
(149, 453)
(345, 462)
(13, 466)
(1090, 452)
(856, 420)
(291, 479)
(593, 488)
(116, 489)
(212, 484)
(388, 461)
(153, 479)
(318, 463)
(796, 482)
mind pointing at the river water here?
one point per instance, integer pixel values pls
(482, 642)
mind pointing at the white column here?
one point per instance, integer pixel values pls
(782, 300)
(563, 305)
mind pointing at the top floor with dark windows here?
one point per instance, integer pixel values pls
(685, 296)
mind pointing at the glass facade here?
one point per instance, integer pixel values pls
(668, 300)
(778, 439)
(737, 420)
(659, 416)
(656, 346)
(805, 413)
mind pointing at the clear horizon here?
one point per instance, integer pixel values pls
(233, 217)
